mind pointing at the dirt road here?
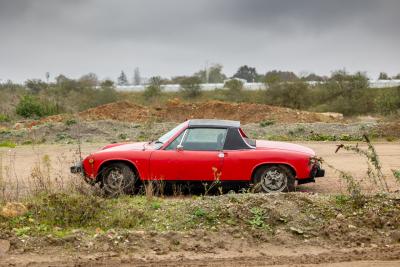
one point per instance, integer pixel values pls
(18, 163)
(275, 256)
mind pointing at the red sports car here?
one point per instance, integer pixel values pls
(202, 151)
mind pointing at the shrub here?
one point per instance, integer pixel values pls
(70, 122)
(294, 94)
(154, 89)
(67, 209)
(388, 101)
(267, 123)
(7, 144)
(4, 118)
(235, 89)
(30, 106)
(190, 86)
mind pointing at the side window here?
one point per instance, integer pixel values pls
(204, 139)
(175, 143)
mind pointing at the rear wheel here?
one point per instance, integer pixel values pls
(118, 179)
(274, 178)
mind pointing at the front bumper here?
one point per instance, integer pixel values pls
(320, 173)
(76, 168)
(316, 171)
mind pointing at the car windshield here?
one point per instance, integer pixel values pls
(170, 134)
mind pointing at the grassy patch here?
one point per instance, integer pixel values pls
(266, 123)
(4, 118)
(59, 214)
(7, 144)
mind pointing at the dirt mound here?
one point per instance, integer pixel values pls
(176, 111)
(244, 112)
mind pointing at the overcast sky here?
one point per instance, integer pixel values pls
(178, 37)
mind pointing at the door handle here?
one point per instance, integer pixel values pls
(221, 155)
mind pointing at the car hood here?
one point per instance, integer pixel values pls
(263, 144)
(127, 147)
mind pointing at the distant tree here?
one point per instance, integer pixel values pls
(214, 74)
(61, 78)
(246, 73)
(122, 79)
(388, 101)
(383, 76)
(136, 77)
(180, 79)
(235, 89)
(47, 75)
(154, 89)
(282, 76)
(107, 83)
(106, 94)
(190, 86)
(313, 77)
(340, 75)
(397, 77)
(89, 79)
(289, 94)
(35, 86)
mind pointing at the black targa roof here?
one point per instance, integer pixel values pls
(214, 123)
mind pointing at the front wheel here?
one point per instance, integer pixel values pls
(118, 179)
(274, 178)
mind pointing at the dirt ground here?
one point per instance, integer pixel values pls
(19, 162)
(273, 256)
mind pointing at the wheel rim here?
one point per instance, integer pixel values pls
(273, 180)
(115, 180)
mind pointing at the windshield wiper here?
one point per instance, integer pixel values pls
(158, 142)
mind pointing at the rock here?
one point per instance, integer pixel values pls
(18, 126)
(352, 226)
(333, 115)
(4, 246)
(13, 209)
(340, 216)
(296, 230)
(395, 236)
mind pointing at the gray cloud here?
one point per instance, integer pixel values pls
(177, 36)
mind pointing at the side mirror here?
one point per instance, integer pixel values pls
(179, 148)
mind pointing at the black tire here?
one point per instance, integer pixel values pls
(118, 179)
(274, 178)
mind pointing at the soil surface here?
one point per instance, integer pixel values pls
(272, 256)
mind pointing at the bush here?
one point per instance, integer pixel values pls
(30, 106)
(294, 95)
(154, 89)
(4, 118)
(388, 101)
(190, 86)
(235, 89)
(7, 144)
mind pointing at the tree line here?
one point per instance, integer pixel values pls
(343, 92)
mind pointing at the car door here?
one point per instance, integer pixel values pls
(200, 156)
(164, 162)
(239, 157)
